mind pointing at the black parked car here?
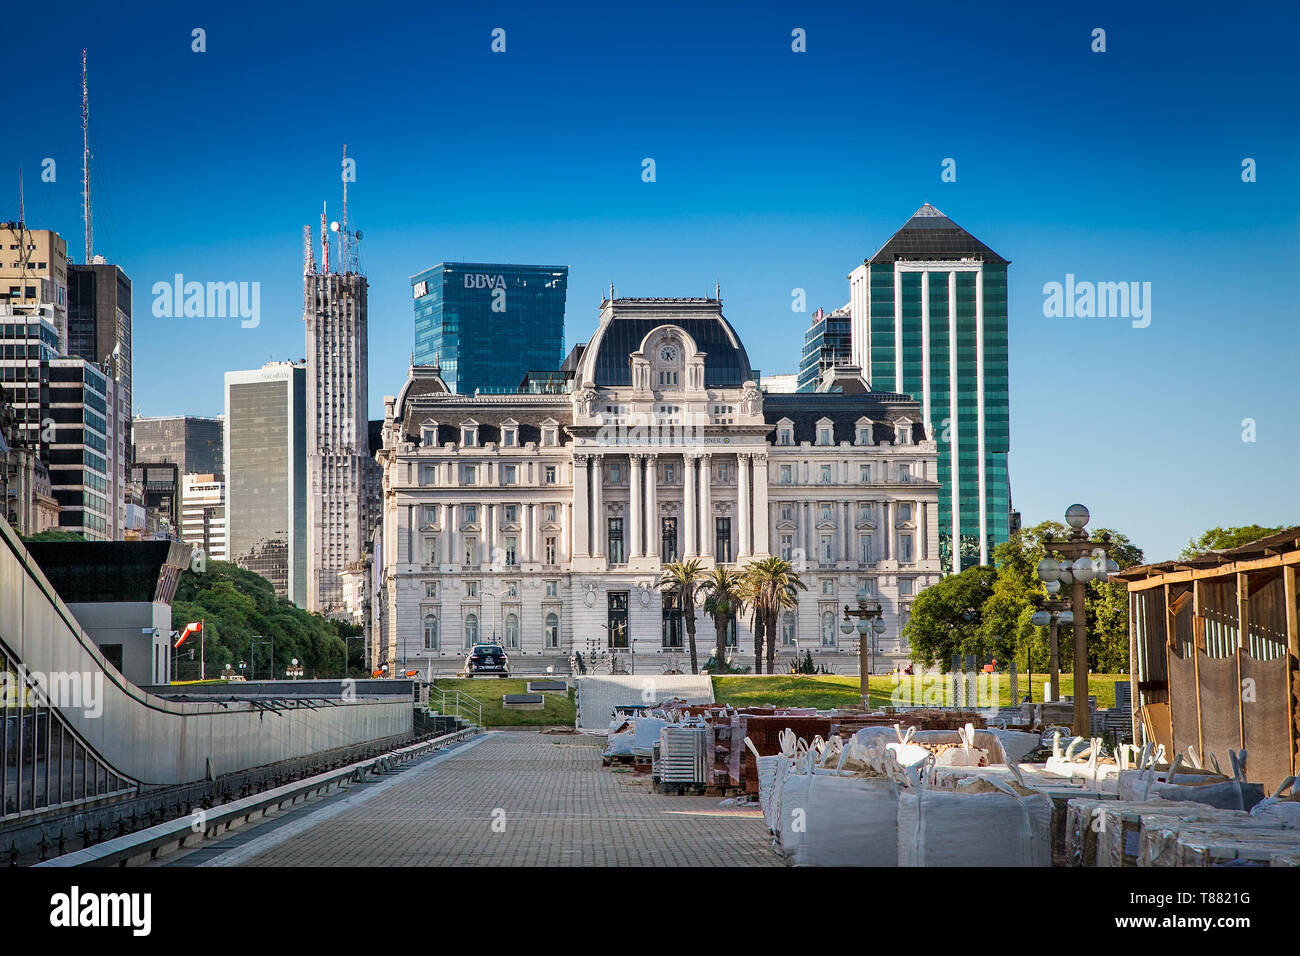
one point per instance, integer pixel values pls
(488, 659)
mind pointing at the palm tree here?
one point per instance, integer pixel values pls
(682, 578)
(721, 587)
(770, 587)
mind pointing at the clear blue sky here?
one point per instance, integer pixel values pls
(776, 170)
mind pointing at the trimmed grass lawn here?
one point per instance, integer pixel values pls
(560, 708)
(833, 690)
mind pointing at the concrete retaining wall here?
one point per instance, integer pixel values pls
(156, 741)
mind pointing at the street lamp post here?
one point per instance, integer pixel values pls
(1081, 560)
(871, 617)
(1053, 612)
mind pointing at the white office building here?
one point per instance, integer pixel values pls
(203, 514)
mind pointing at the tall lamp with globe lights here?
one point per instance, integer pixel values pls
(871, 618)
(1073, 562)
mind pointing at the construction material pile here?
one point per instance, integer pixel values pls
(903, 797)
(1186, 818)
(871, 801)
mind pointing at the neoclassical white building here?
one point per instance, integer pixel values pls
(542, 519)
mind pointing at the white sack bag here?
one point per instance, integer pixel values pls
(791, 766)
(769, 767)
(830, 818)
(1015, 743)
(966, 754)
(1233, 794)
(793, 793)
(908, 755)
(951, 828)
(1278, 809)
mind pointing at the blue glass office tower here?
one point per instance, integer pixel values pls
(488, 324)
(827, 344)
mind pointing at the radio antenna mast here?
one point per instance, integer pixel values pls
(344, 243)
(308, 256)
(324, 242)
(85, 156)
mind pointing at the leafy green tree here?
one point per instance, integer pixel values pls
(237, 606)
(1216, 539)
(1007, 631)
(947, 617)
(54, 534)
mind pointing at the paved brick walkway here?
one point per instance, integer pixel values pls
(552, 805)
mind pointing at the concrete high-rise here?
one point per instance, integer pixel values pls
(340, 513)
(487, 325)
(929, 319)
(266, 475)
(34, 271)
(203, 514)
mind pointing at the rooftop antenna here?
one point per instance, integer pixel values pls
(22, 217)
(85, 156)
(344, 250)
(308, 254)
(324, 242)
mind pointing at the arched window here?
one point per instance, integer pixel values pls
(471, 630)
(828, 629)
(430, 632)
(552, 630)
(787, 629)
(512, 630)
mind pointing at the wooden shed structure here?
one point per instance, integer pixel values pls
(1213, 650)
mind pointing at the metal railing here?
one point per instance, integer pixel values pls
(194, 828)
(455, 703)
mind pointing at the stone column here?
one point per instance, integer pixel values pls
(704, 526)
(525, 533)
(449, 533)
(597, 505)
(762, 516)
(922, 545)
(581, 507)
(886, 533)
(743, 505)
(635, 463)
(565, 549)
(688, 505)
(488, 511)
(651, 506)
(846, 529)
(810, 538)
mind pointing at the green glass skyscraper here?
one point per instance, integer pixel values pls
(929, 314)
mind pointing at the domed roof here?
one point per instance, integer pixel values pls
(626, 322)
(422, 380)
